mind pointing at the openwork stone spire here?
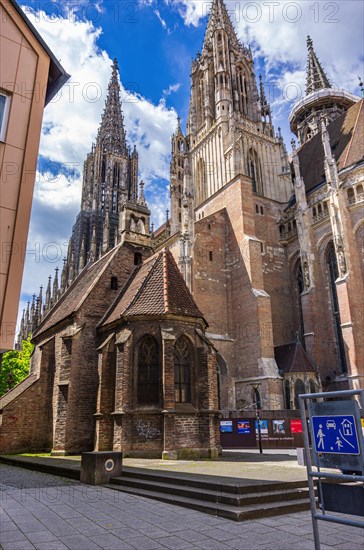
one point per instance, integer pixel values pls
(219, 19)
(316, 78)
(111, 134)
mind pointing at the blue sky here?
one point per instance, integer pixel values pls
(155, 41)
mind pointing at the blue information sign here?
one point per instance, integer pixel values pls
(335, 434)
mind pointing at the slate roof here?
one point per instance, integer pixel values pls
(293, 358)
(156, 287)
(347, 144)
(76, 294)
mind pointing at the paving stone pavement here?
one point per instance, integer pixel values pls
(52, 513)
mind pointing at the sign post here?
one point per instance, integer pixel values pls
(337, 443)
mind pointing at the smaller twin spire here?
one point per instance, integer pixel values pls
(316, 78)
(111, 134)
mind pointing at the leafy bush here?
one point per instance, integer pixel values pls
(15, 366)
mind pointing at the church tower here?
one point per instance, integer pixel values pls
(229, 128)
(110, 181)
(321, 100)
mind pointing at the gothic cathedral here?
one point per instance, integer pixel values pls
(251, 290)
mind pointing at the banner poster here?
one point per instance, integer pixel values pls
(243, 427)
(226, 426)
(296, 426)
(279, 427)
(263, 427)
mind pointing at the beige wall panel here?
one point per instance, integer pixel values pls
(9, 58)
(18, 118)
(26, 72)
(10, 175)
(7, 220)
(8, 27)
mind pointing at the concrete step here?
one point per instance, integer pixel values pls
(208, 482)
(229, 511)
(217, 493)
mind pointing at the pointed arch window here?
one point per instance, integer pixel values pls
(148, 371)
(333, 273)
(300, 287)
(299, 388)
(254, 171)
(242, 91)
(182, 371)
(287, 394)
(201, 191)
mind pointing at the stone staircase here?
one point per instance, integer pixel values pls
(230, 498)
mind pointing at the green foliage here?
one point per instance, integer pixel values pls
(15, 366)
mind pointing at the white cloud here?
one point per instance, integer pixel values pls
(70, 125)
(160, 19)
(72, 118)
(171, 89)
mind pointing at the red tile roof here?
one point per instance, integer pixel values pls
(154, 288)
(293, 358)
(347, 143)
(75, 295)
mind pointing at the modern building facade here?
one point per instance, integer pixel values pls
(30, 77)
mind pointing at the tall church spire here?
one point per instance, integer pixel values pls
(328, 102)
(111, 134)
(219, 19)
(316, 78)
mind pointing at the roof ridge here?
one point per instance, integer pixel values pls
(64, 296)
(120, 293)
(165, 280)
(144, 283)
(354, 130)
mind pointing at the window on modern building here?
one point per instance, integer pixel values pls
(148, 371)
(182, 371)
(287, 394)
(138, 258)
(114, 283)
(299, 388)
(4, 113)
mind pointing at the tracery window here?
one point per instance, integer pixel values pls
(201, 183)
(300, 287)
(182, 371)
(299, 388)
(333, 273)
(287, 394)
(148, 371)
(254, 171)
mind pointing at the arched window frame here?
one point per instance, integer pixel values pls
(254, 171)
(300, 287)
(183, 362)
(148, 371)
(333, 274)
(299, 388)
(287, 394)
